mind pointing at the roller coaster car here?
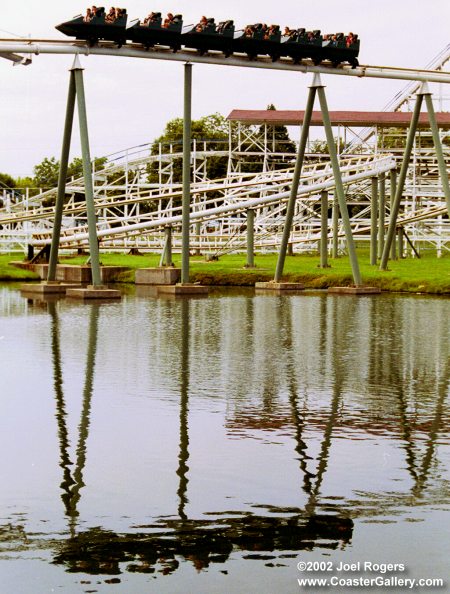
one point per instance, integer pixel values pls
(303, 44)
(259, 40)
(97, 28)
(153, 32)
(337, 51)
(209, 36)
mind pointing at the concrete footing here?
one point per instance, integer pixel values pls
(183, 289)
(354, 290)
(275, 286)
(73, 274)
(48, 288)
(158, 276)
(94, 292)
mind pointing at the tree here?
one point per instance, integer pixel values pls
(280, 135)
(46, 173)
(6, 181)
(211, 128)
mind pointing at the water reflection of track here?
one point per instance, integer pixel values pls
(265, 533)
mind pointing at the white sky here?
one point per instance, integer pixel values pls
(129, 101)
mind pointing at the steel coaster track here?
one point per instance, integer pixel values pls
(105, 48)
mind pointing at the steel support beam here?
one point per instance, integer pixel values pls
(373, 221)
(395, 206)
(437, 145)
(250, 238)
(65, 150)
(186, 200)
(295, 183)
(335, 222)
(393, 189)
(338, 181)
(87, 173)
(381, 211)
(324, 229)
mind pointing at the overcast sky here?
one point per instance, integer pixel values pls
(129, 101)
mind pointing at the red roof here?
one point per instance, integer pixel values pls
(400, 119)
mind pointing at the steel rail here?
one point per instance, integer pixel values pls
(50, 46)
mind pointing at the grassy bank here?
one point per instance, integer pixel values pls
(425, 275)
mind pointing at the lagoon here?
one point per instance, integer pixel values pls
(234, 443)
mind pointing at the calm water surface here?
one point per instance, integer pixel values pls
(202, 446)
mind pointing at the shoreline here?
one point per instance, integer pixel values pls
(427, 275)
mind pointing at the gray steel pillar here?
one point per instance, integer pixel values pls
(250, 238)
(186, 201)
(198, 226)
(395, 206)
(65, 150)
(400, 242)
(373, 221)
(338, 182)
(393, 178)
(381, 211)
(335, 222)
(168, 250)
(324, 229)
(295, 183)
(87, 172)
(437, 145)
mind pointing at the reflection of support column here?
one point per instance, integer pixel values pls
(186, 173)
(324, 229)
(51, 276)
(373, 221)
(431, 446)
(184, 410)
(250, 238)
(83, 427)
(393, 178)
(295, 183)
(395, 206)
(73, 482)
(381, 212)
(335, 252)
(61, 414)
(338, 182)
(437, 145)
(299, 418)
(87, 172)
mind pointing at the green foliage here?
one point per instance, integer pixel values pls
(6, 181)
(320, 147)
(278, 136)
(212, 128)
(46, 173)
(395, 139)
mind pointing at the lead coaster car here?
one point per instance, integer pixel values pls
(339, 52)
(97, 28)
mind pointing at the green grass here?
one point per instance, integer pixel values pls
(8, 272)
(426, 275)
